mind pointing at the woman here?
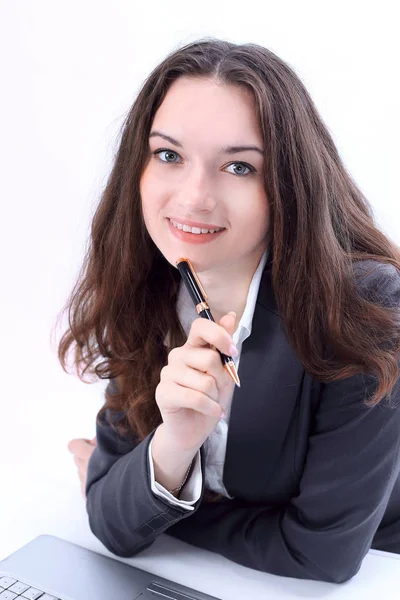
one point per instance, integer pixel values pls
(297, 472)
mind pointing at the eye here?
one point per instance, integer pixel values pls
(242, 167)
(166, 152)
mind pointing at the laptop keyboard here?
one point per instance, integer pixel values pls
(12, 588)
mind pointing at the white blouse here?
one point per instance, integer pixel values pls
(215, 445)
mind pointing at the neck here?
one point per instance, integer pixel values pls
(227, 288)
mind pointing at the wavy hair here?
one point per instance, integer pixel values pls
(124, 300)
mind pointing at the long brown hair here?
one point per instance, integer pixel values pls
(123, 302)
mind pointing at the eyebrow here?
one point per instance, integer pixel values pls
(224, 149)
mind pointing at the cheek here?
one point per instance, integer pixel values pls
(153, 191)
(145, 186)
(148, 196)
(254, 214)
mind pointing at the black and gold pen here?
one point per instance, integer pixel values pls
(199, 297)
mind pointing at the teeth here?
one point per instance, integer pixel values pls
(196, 230)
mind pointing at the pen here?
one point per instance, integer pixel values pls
(199, 297)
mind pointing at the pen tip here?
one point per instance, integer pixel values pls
(230, 367)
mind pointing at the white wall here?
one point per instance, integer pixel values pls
(69, 72)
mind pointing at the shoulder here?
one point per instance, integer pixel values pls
(110, 416)
(378, 282)
(112, 387)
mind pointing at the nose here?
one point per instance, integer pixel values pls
(196, 192)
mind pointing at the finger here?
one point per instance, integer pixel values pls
(83, 485)
(202, 360)
(176, 397)
(80, 448)
(89, 441)
(197, 372)
(92, 441)
(206, 360)
(83, 491)
(204, 332)
(228, 322)
(82, 475)
(75, 446)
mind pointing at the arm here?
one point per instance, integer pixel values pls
(191, 491)
(124, 514)
(325, 531)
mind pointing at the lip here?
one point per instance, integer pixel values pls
(193, 238)
(195, 223)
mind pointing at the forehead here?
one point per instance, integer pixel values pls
(197, 107)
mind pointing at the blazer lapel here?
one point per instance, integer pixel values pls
(271, 376)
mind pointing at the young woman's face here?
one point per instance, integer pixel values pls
(194, 179)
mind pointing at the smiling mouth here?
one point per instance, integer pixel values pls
(194, 230)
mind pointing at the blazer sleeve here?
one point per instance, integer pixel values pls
(352, 464)
(124, 513)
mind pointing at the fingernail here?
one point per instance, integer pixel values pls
(223, 415)
(233, 351)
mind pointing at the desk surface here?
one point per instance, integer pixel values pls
(37, 504)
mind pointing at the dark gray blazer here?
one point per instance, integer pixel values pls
(315, 474)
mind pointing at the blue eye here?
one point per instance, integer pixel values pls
(242, 166)
(157, 154)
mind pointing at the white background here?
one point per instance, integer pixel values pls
(69, 73)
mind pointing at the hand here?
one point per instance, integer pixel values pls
(82, 450)
(194, 387)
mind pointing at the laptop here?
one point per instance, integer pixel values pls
(49, 568)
